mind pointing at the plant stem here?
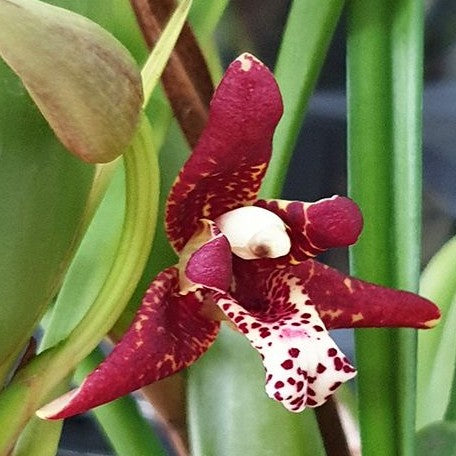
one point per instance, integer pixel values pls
(30, 386)
(186, 79)
(407, 92)
(384, 141)
(331, 429)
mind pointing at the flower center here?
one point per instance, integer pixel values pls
(254, 232)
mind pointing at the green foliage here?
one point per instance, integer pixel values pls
(384, 139)
(437, 348)
(437, 439)
(308, 32)
(44, 195)
(86, 84)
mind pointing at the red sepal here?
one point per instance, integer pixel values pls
(227, 166)
(166, 335)
(346, 302)
(342, 301)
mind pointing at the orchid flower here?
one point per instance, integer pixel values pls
(250, 262)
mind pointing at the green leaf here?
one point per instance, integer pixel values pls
(204, 17)
(437, 439)
(43, 198)
(158, 58)
(384, 132)
(91, 265)
(437, 348)
(86, 84)
(308, 32)
(227, 418)
(31, 385)
(41, 438)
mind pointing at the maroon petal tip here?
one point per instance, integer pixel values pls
(346, 302)
(334, 222)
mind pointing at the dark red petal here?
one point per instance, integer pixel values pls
(205, 260)
(342, 301)
(346, 302)
(316, 227)
(167, 334)
(227, 166)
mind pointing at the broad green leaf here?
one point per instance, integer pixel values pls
(91, 268)
(37, 379)
(86, 84)
(437, 348)
(437, 439)
(43, 198)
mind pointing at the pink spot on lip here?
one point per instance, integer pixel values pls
(291, 332)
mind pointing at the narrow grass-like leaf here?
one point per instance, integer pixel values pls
(407, 37)
(437, 348)
(384, 101)
(159, 56)
(186, 79)
(308, 32)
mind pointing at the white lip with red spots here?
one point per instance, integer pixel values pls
(304, 366)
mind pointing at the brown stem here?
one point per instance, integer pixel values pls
(331, 429)
(186, 78)
(169, 400)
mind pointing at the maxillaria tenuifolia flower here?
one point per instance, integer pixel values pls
(82, 79)
(251, 262)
